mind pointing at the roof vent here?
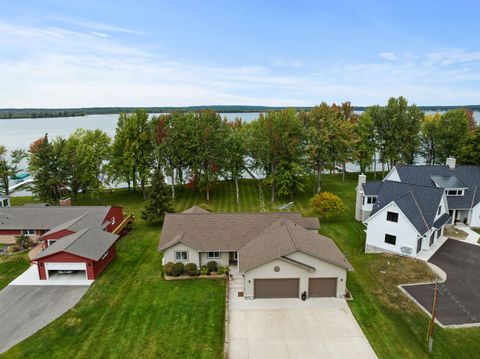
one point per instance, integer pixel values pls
(451, 162)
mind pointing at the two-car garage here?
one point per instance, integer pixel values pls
(290, 287)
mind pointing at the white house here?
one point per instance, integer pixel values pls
(277, 255)
(406, 212)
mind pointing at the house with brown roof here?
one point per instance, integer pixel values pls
(278, 255)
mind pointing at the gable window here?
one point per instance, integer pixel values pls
(390, 239)
(371, 200)
(113, 220)
(392, 217)
(181, 256)
(28, 232)
(50, 242)
(439, 209)
(213, 255)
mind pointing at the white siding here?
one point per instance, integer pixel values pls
(222, 261)
(378, 226)
(475, 219)
(393, 176)
(444, 204)
(169, 254)
(287, 270)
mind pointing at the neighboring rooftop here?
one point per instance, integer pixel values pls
(47, 218)
(88, 243)
(419, 203)
(195, 209)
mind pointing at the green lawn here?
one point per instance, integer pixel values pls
(131, 312)
(11, 266)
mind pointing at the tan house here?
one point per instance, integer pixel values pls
(278, 255)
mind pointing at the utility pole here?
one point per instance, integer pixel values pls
(432, 320)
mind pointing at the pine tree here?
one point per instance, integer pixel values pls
(158, 202)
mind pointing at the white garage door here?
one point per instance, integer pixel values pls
(65, 266)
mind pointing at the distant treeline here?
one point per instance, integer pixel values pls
(71, 112)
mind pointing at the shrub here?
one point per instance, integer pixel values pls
(23, 240)
(212, 266)
(13, 249)
(223, 270)
(168, 268)
(326, 204)
(178, 269)
(191, 269)
(204, 270)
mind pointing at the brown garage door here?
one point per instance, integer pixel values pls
(322, 287)
(276, 288)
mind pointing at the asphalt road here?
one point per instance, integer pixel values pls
(26, 309)
(459, 295)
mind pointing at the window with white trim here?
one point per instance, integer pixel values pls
(392, 216)
(439, 210)
(181, 256)
(113, 220)
(390, 239)
(28, 232)
(213, 255)
(455, 192)
(50, 242)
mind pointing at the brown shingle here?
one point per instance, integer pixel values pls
(283, 237)
(223, 231)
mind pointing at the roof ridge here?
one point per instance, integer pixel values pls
(294, 240)
(79, 234)
(473, 196)
(413, 184)
(420, 210)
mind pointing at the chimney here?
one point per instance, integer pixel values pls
(451, 162)
(359, 198)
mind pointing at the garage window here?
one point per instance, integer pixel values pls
(213, 255)
(50, 242)
(181, 256)
(390, 239)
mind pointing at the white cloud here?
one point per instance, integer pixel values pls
(388, 56)
(55, 67)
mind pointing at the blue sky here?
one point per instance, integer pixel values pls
(178, 53)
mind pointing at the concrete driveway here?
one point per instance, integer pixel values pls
(459, 295)
(290, 328)
(26, 309)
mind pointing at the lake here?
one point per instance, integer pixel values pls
(21, 132)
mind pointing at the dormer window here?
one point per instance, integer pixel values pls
(371, 199)
(455, 192)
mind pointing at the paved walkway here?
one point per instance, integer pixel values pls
(35, 250)
(426, 255)
(473, 236)
(30, 277)
(26, 309)
(291, 328)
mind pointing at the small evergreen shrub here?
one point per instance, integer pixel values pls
(191, 269)
(212, 266)
(223, 270)
(23, 240)
(14, 248)
(204, 270)
(178, 269)
(168, 268)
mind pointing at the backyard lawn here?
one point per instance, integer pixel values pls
(11, 266)
(131, 311)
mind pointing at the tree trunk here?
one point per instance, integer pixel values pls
(237, 191)
(319, 180)
(142, 185)
(173, 184)
(128, 182)
(273, 184)
(375, 165)
(208, 195)
(344, 169)
(383, 170)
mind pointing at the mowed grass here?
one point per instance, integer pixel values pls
(131, 312)
(11, 266)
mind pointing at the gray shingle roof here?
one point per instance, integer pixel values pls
(419, 203)
(372, 188)
(88, 243)
(283, 237)
(467, 175)
(51, 217)
(444, 218)
(448, 182)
